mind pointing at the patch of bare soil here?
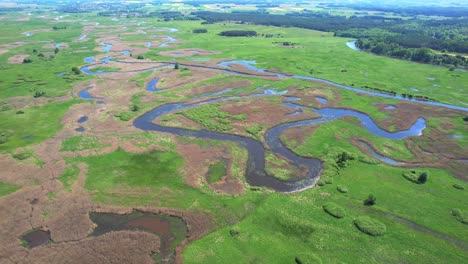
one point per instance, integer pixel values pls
(256, 109)
(170, 79)
(17, 59)
(115, 247)
(197, 162)
(187, 53)
(215, 87)
(179, 121)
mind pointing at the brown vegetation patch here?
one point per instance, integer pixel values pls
(197, 161)
(170, 79)
(215, 87)
(115, 247)
(261, 111)
(187, 53)
(17, 59)
(297, 135)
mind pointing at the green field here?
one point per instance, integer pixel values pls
(359, 211)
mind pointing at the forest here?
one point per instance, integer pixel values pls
(413, 39)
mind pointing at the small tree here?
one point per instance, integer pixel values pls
(75, 70)
(140, 57)
(370, 200)
(27, 60)
(422, 178)
(56, 50)
(134, 108)
(176, 66)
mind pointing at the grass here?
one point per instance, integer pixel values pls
(217, 171)
(37, 124)
(81, 142)
(326, 56)
(69, 176)
(6, 188)
(284, 227)
(210, 117)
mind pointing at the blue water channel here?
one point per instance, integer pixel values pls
(151, 87)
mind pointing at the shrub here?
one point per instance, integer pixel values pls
(38, 94)
(19, 112)
(140, 57)
(370, 200)
(22, 155)
(458, 186)
(76, 70)
(234, 233)
(370, 226)
(134, 108)
(329, 181)
(176, 66)
(422, 178)
(27, 60)
(342, 189)
(124, 116)
(334, 210)
(321, 183)
(307, 258)
(415, 176)
(199, 30)
(460, 216)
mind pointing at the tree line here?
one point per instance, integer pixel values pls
(406, 39)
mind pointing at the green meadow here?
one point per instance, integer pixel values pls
(410, 222)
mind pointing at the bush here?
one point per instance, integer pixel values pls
(124, 116)
(27, 60)
(199, 30)
(38, 94)
(334, 210)
(329, 181)
(370, 200)
(76, 70)
(238, 33)
(458, 186)
(134, 108)
(320, 183)
(342, 189)
(19, 112)
(460, 216)
(234, 233)
(22, 155)
(370, 226)
(415, 176)
(140, 57)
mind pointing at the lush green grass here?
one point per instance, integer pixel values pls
(35, 125)
(69, 176)
(217, 171)
(339, 133)
(210, 117)
(289, 226)
(6, 188)
(324, 56)
(81, 142)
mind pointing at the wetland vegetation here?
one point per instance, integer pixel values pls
(222, 132)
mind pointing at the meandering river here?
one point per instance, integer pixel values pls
(255, 171)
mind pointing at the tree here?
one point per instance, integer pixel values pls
(134, 108)
(176, 66)
(75, 70)
(27, 60)
(422, 178)
(370, 200)
(140, 57)
(56, 50)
